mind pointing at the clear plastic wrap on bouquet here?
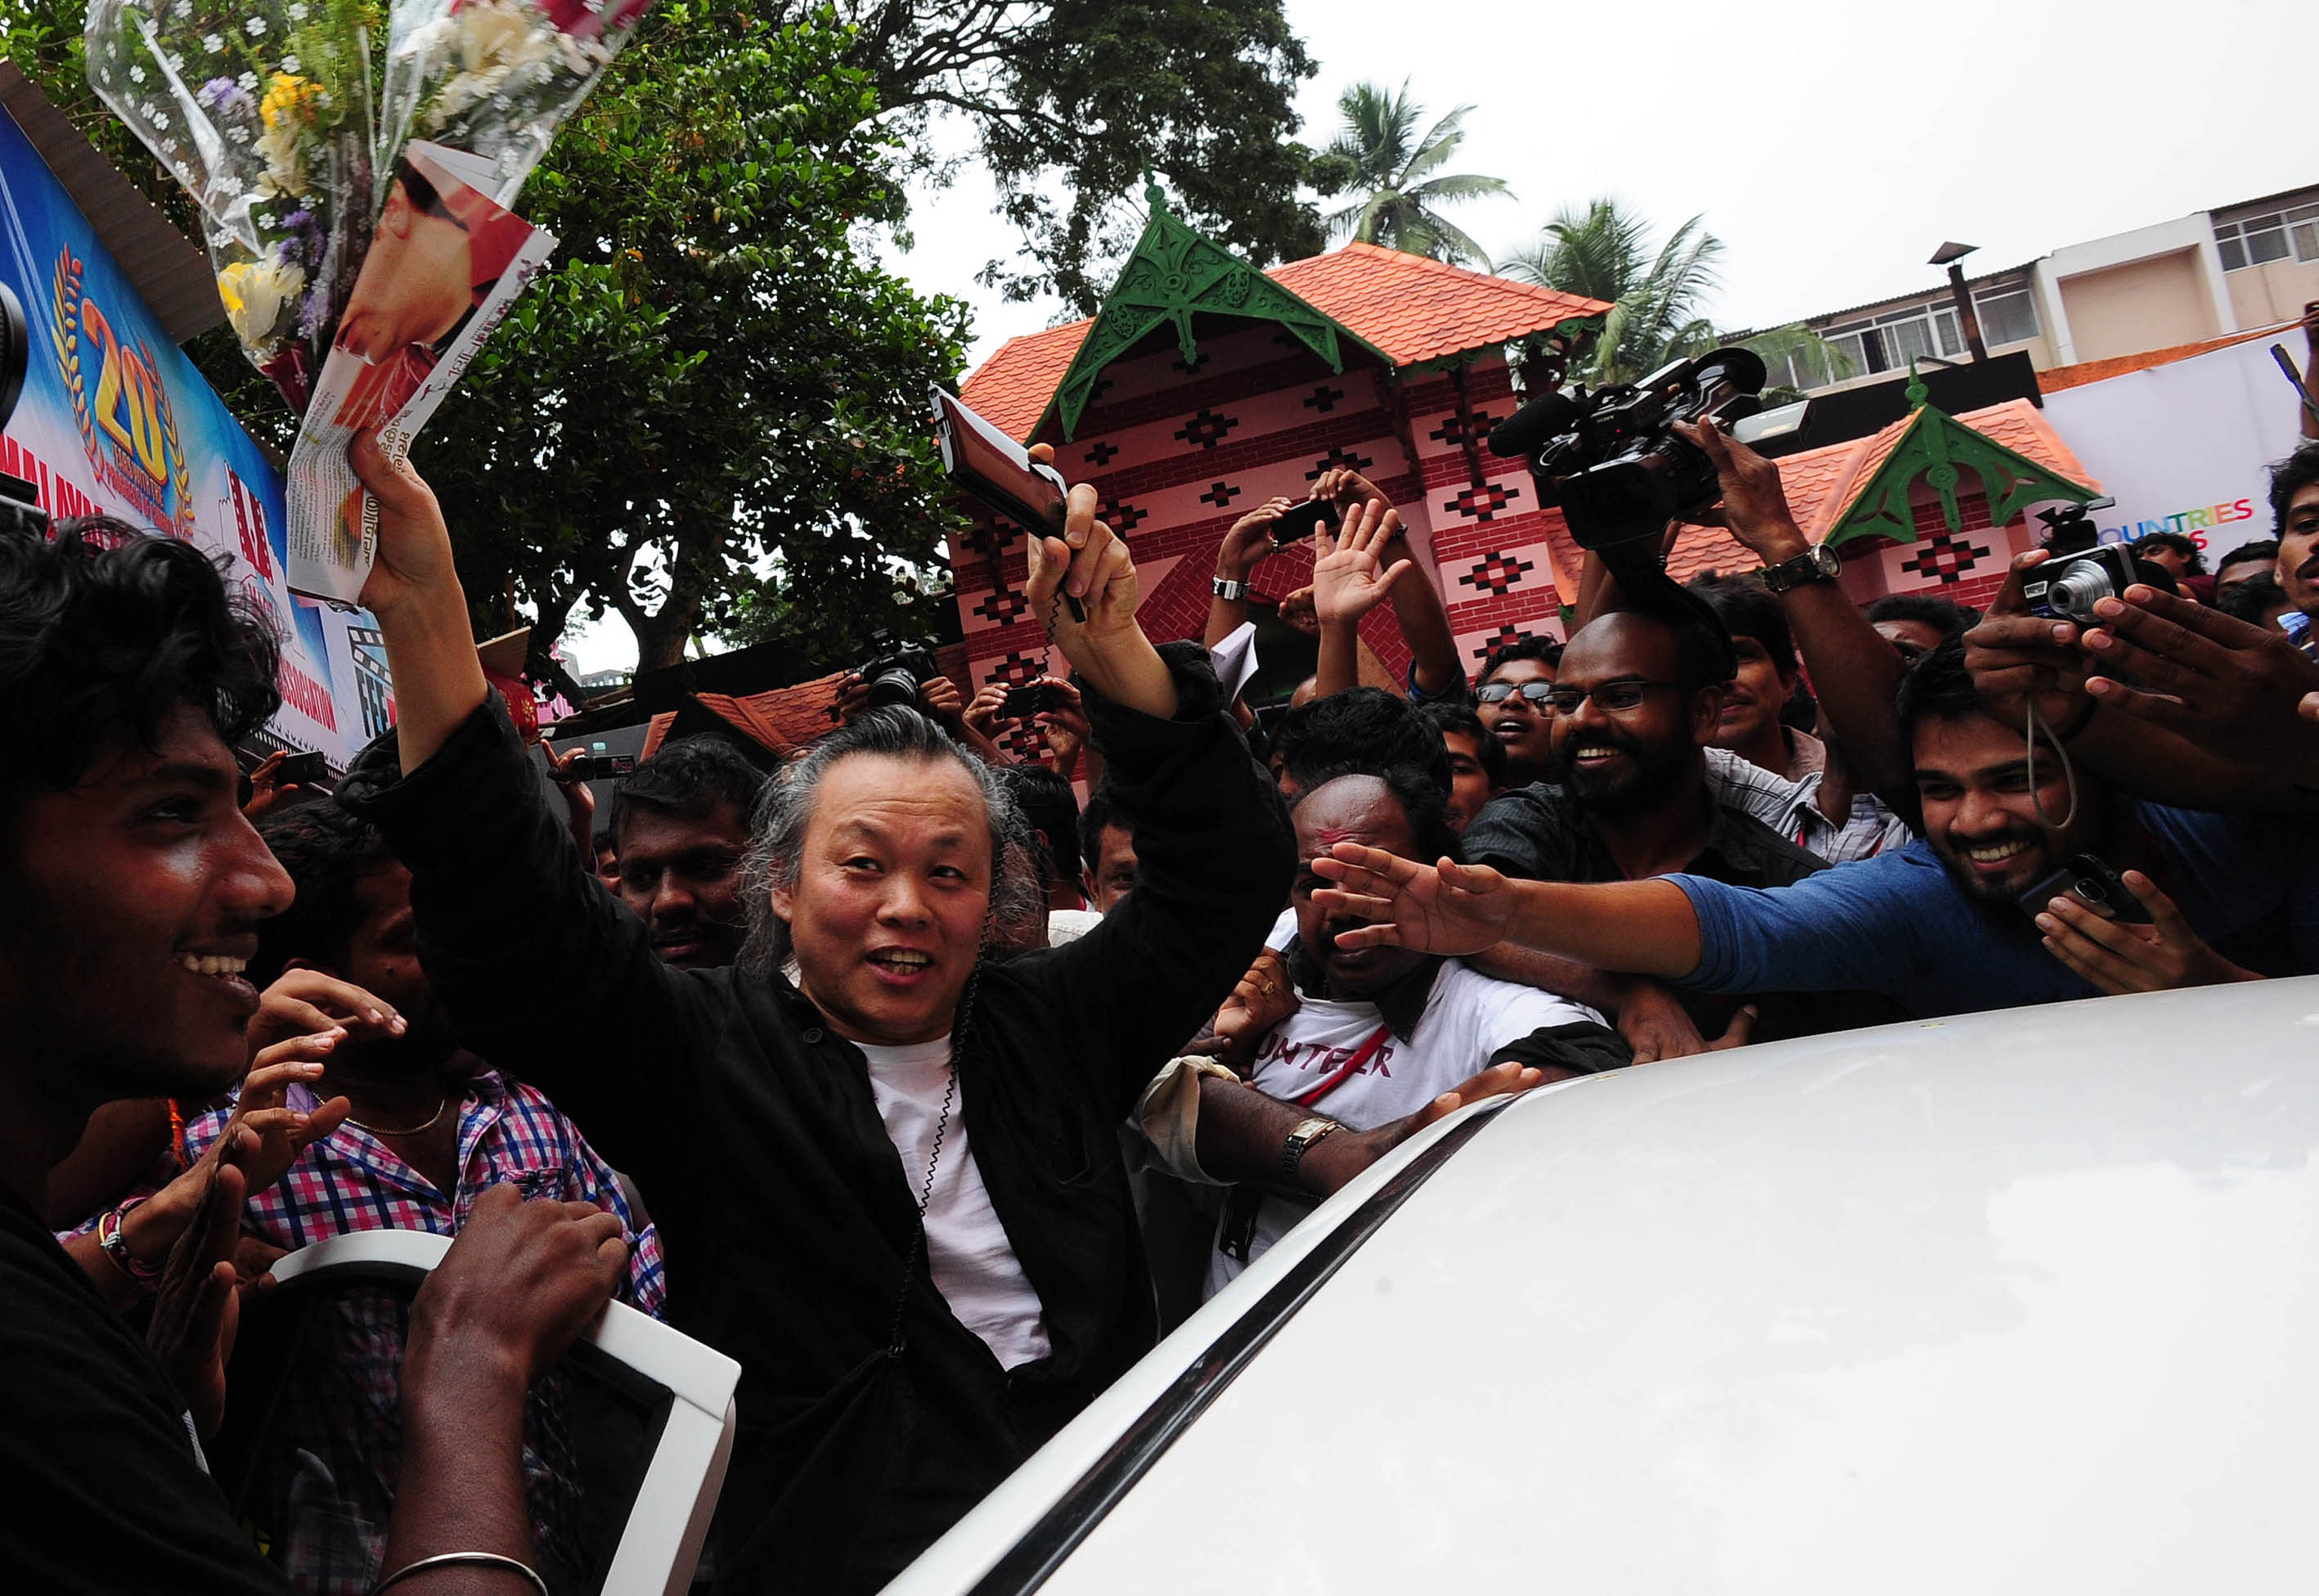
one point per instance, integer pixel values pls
(262, 109)
(496, 77)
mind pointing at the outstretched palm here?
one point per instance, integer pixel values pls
(1348, 577)
(1449, 908)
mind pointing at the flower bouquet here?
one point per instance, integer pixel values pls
(362, 243)
(264, 111)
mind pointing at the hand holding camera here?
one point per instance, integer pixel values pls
(2219, 683)
(2015, 654)
(1090, 566)
(2155, 952)
(1251, 539)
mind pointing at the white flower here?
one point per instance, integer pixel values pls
(239, 132)
(291, 63)
(176, 62)
(247, 83)
(297, 11)
(135, 73)
(213, 43)
(160, 117)
(255, 27)
(264, 218)
(256, 292)
(182, 9)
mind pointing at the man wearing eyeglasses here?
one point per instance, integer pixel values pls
(1632, 707)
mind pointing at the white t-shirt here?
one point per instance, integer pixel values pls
(1468, 1017)
(974, 1265)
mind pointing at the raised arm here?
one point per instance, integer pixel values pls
(505, 909)
(1349, 579)
(1854, 671)
(1417, 607)
(1236, 558)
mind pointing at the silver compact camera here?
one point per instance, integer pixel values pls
(2068, 586)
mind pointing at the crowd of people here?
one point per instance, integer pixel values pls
(927, 1090)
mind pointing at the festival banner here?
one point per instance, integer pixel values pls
(115, 421)
(2187, 447)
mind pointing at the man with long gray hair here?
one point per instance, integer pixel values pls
(892, 1189)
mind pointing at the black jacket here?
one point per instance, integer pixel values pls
(750, 1129)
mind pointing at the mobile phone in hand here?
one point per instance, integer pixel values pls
(989, 465)
(601, 767)
(1023, 702)
(1297, 525)
(2090, 881)
(301, 770)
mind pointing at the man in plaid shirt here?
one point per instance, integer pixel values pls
(429, 1128)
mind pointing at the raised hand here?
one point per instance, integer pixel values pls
(1348, 577)
(982, 711)
(1755, 504)
(306, 1002)
(1089, 564)
(2013, 655)
(1249, 540)
(940, 699)
(266, 789)
(414, 546)
(1436, 908)
(1066, 724)
(1344, 487)
(2118, 957)
(2219, 683)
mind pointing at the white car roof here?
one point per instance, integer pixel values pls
(2025, 1300)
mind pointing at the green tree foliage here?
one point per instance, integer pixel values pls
(1379, 154)
(1084, 95)
(1656, 294)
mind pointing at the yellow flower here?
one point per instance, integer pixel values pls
(288, 98)
(255, 293)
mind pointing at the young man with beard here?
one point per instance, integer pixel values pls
(679, 828)
(1634, 705)
(1937, 925)
(1384, 1040)
(131, 887)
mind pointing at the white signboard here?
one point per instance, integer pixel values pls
(2186, 447)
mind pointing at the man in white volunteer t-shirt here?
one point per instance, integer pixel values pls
(1380, 1034)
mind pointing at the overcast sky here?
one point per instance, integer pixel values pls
(1831, 144)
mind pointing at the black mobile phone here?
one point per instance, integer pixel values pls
(301, 770)
(2093, 883)
(1023, 702)
(990, 467)
(1299, 523)
(601, 767)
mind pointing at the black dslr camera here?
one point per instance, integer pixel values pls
(2083, 571)
(19, 500)
(1610, 459)
(895, 672)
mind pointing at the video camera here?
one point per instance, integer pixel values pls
(897, 670)
(1610, 459)
(19, 500)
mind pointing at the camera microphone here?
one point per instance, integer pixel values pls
(1542, 418)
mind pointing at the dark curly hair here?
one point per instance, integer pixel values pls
(689, 778)
(1365, 727)
(2289, 477)
(1543, 649)
(325, 852)
(105, 630)
(1937, 687)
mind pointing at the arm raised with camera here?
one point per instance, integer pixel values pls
(1855, 671)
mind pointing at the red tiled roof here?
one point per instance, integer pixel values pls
(1417, 310)
(2094, 371)
(1413, 309)
(1820, 484)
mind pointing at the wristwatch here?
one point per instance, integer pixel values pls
(1300, 1140)
(1818, 562)
(1226, 587)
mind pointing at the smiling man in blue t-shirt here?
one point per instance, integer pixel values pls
(1937, 925)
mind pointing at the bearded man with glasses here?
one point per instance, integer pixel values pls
(1629, 712)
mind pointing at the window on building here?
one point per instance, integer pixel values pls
(2008, 315)
(2257, 240)
(1888, 343)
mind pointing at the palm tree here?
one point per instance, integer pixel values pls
(1605, 253)
(1395, 168)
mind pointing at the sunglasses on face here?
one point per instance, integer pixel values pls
(1612, 696)
(1498, 692)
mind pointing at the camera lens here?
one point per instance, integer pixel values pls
(893, 686)
(2075, 591)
